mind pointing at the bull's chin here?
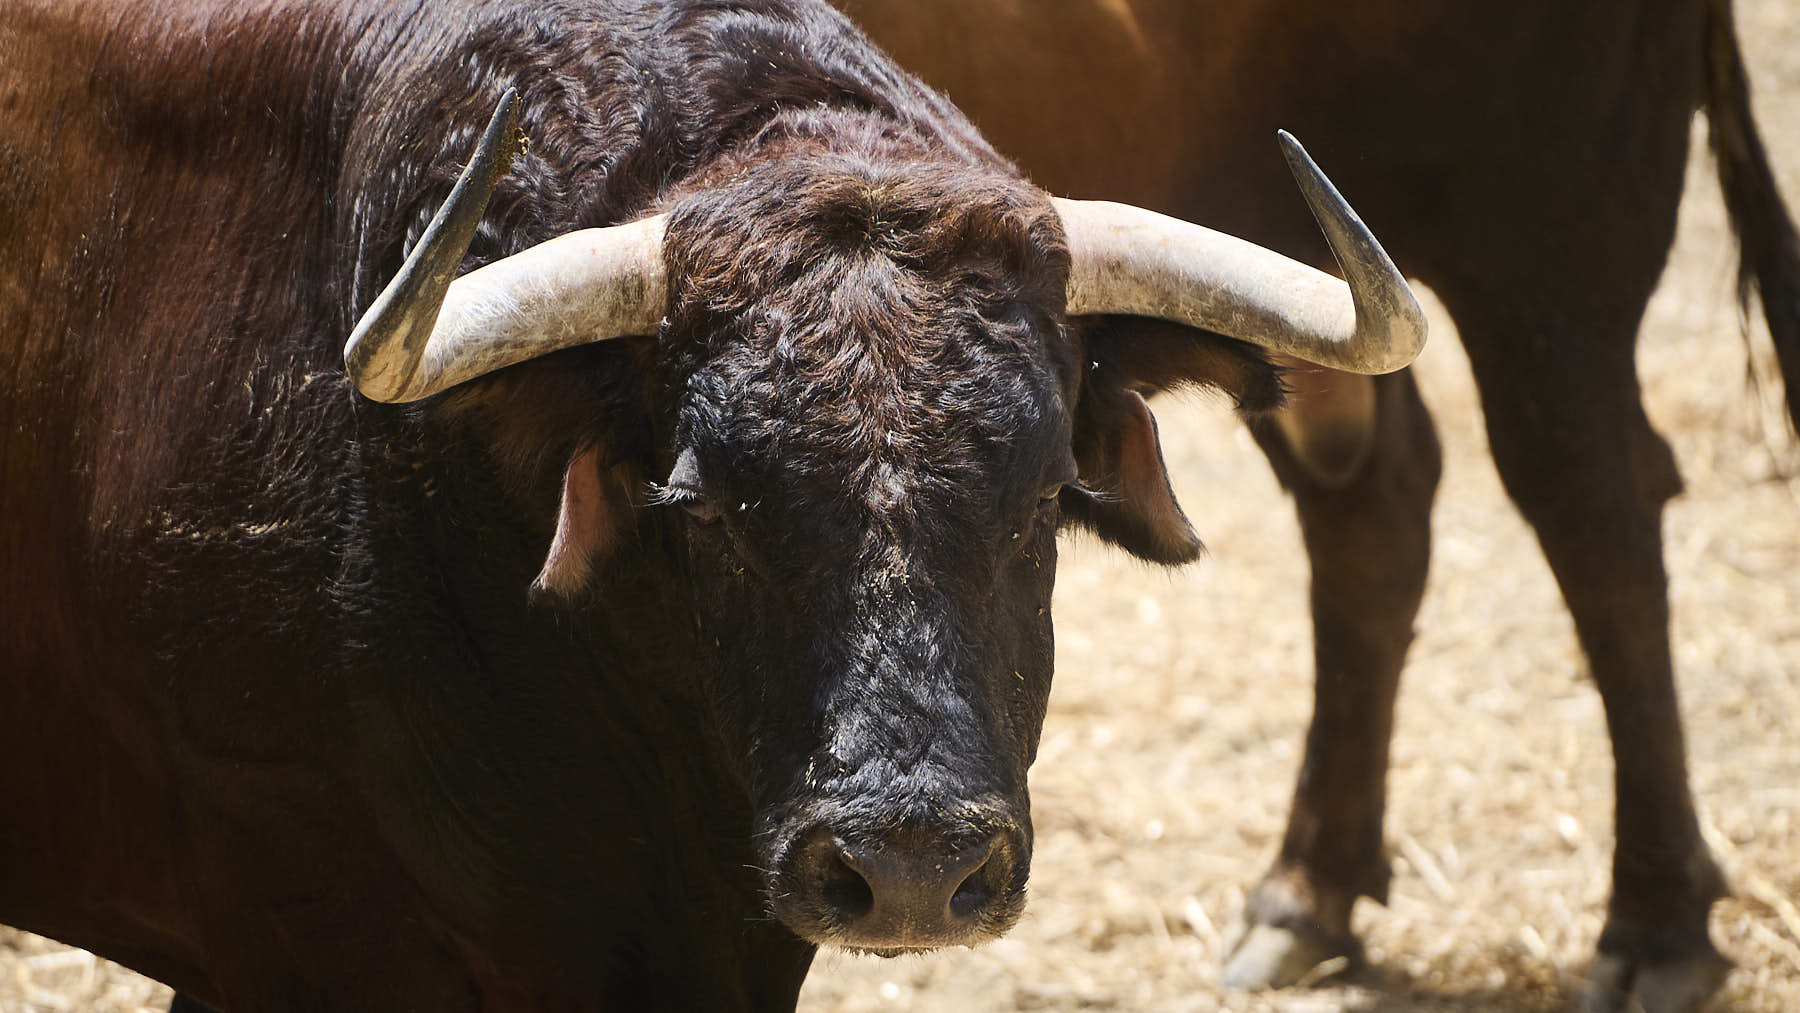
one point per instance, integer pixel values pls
(902, 940)
(886, 952)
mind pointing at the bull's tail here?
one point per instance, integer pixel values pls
(1769, 259)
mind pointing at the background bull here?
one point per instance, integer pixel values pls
(773, 389)
(1525, 161)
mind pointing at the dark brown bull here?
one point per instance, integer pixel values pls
(1523, 159)
(760, 366)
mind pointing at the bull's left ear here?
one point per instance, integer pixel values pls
(597, 503)
(1125, 496)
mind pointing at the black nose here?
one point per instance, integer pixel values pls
(909, 889)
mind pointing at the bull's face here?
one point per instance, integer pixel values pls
(877, 389)
(872, 399)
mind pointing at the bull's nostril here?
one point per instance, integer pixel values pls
(977, 889)
(970, 897)
(845, 890)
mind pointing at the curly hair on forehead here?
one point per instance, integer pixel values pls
(868, 316)
(794, 235)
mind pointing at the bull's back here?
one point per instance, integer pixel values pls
(156, 296)
(1424, 115)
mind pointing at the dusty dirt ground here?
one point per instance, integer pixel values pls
(1181, 700)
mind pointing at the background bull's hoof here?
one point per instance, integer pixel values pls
(1269, 956)
(1677, 986)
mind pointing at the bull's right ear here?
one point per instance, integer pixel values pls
(1125, 496)
(596, 510)
(579, 416)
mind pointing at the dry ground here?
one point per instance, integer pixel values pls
(1176, 723)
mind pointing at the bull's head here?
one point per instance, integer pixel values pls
(882, 398)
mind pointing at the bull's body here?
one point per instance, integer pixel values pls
(1525, 161)
(280, 726)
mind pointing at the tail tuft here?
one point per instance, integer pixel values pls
(1769, 260)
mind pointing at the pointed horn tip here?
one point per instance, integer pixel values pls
(1293, 149)
(1305, 171)
(506, 121)
(1409, 326)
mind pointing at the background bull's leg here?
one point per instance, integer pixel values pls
(1368, 536)
(1580, 459)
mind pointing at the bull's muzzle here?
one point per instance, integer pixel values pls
(910, 889)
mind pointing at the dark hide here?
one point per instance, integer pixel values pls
(1523, 159)
(283, 721)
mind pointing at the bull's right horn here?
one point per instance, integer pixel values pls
(427, 332)
(1125, 259)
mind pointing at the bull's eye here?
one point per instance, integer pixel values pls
(1043, 516)
(683, 487)
(702, 510)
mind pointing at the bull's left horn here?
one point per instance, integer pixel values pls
(1125, 259)
(426, 333)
